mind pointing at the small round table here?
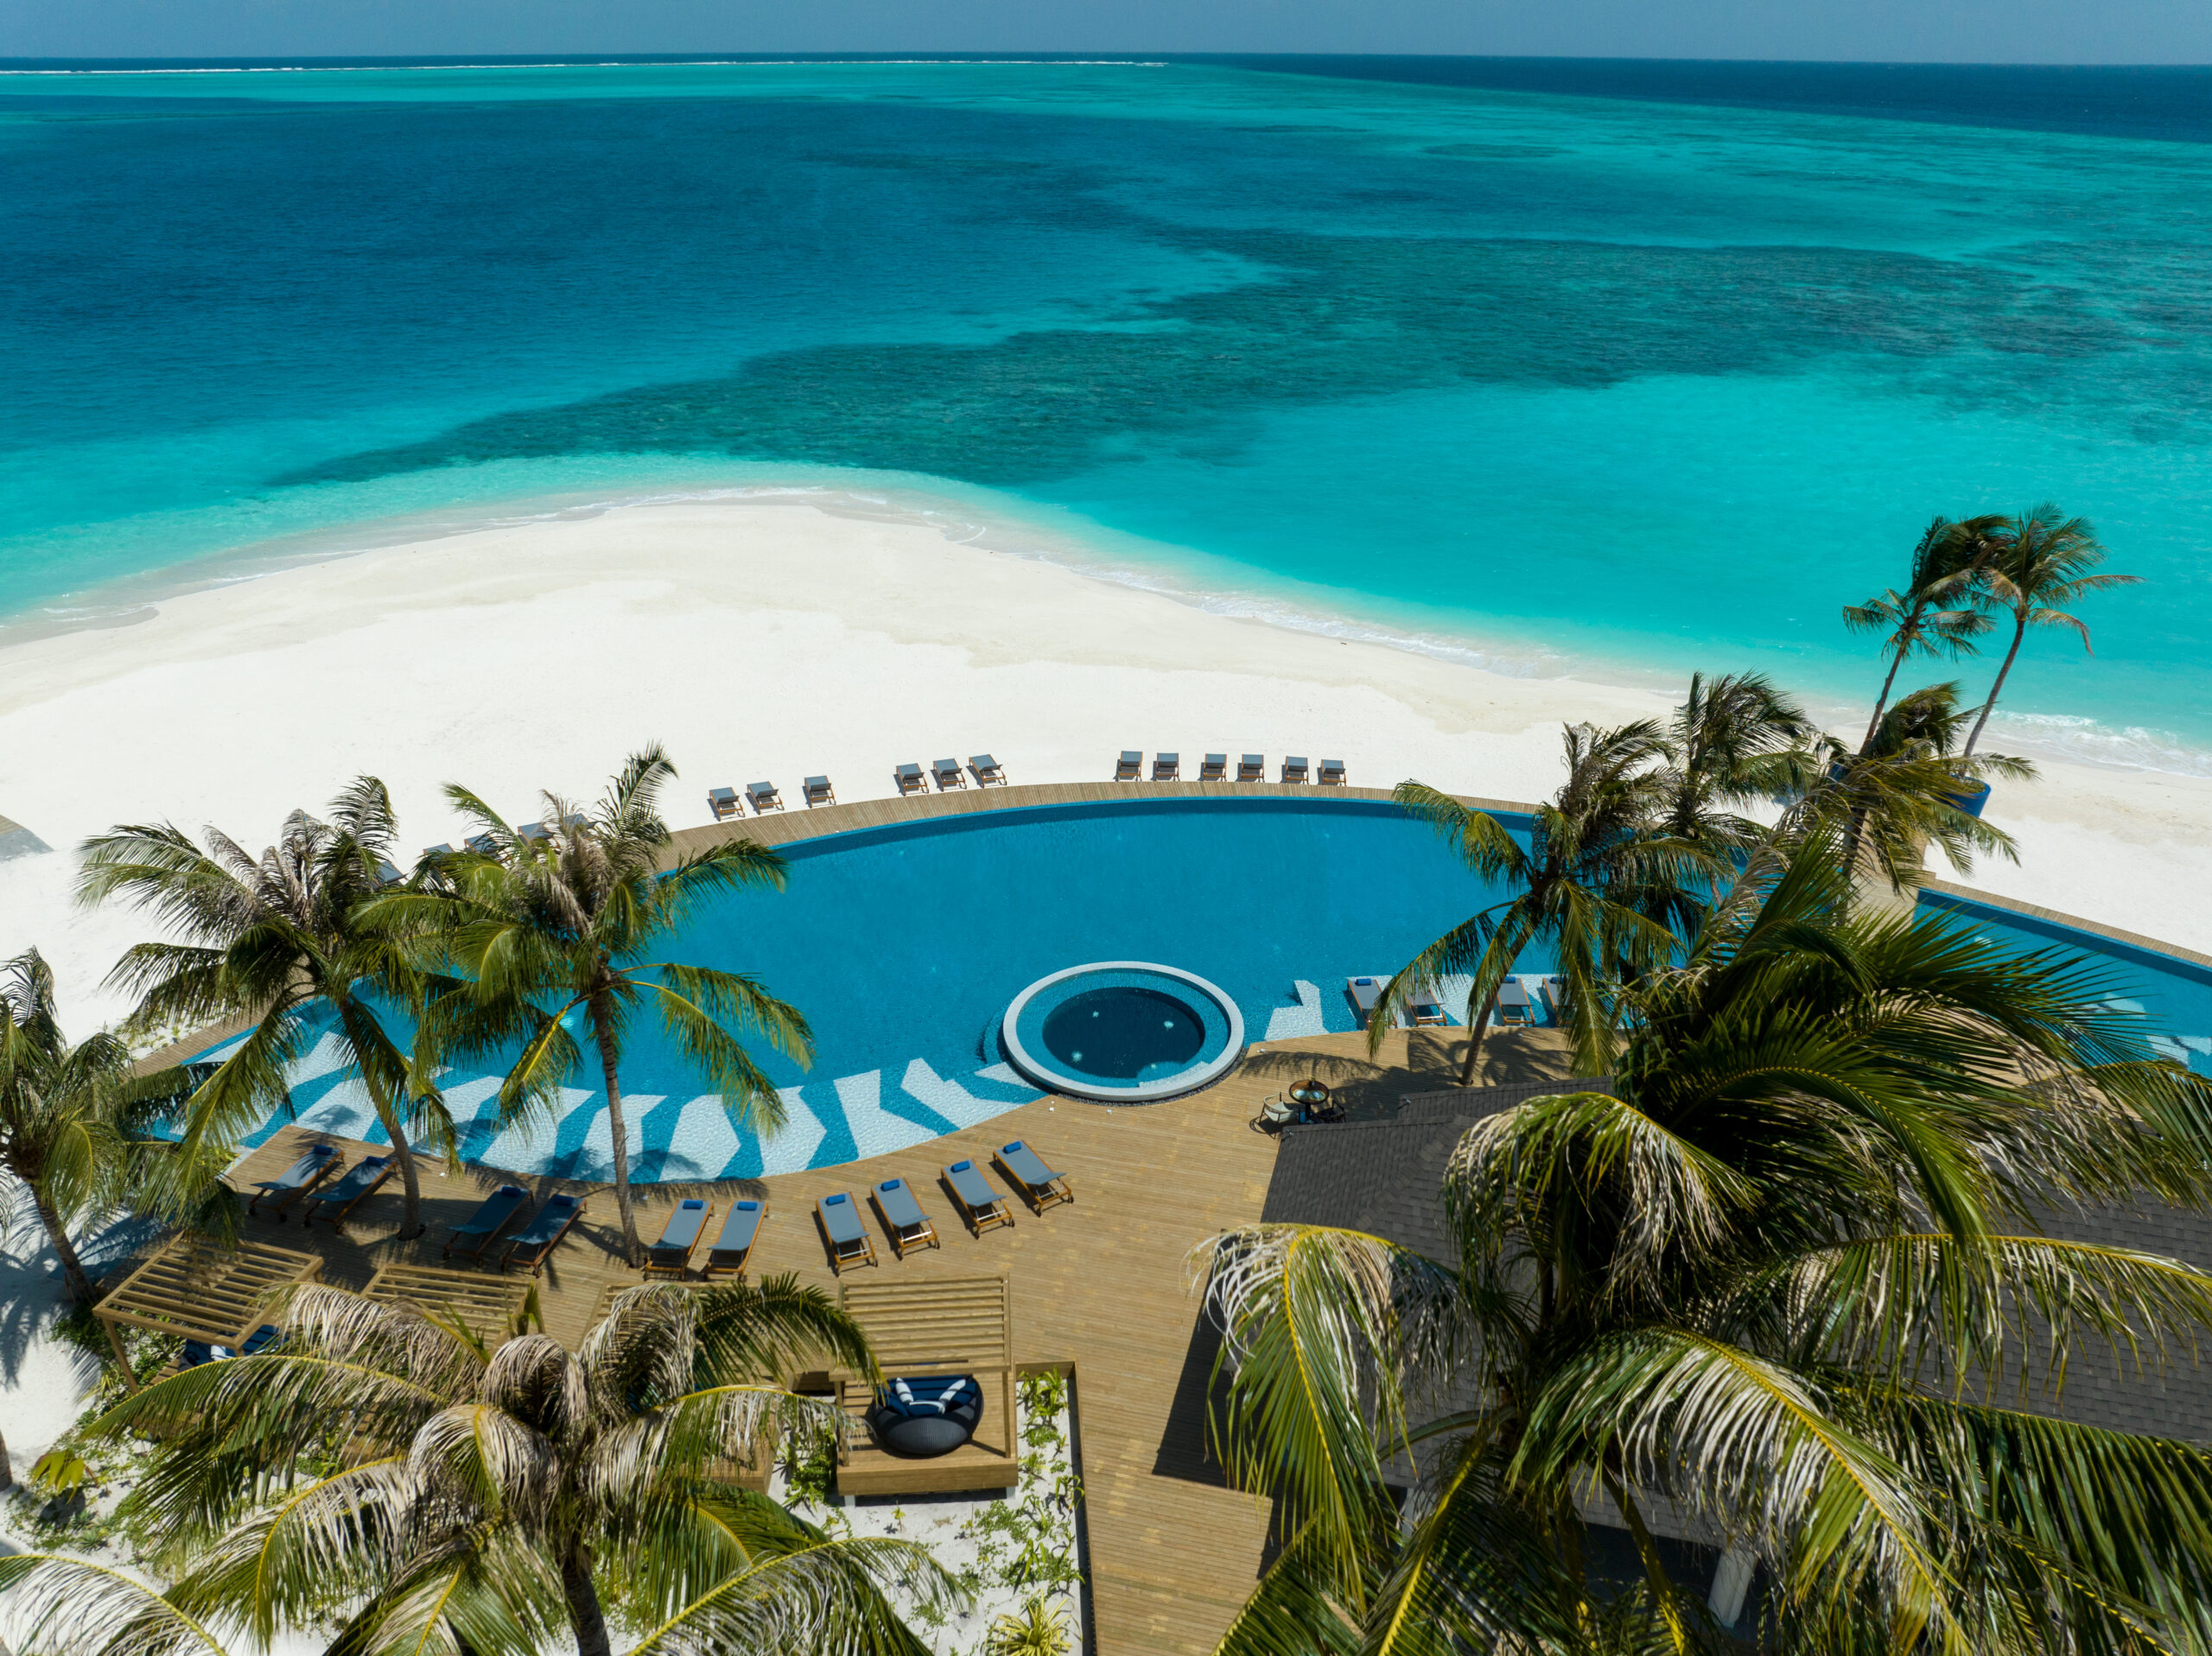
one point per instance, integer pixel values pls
(1310, 1095)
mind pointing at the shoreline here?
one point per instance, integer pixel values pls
(774, 637)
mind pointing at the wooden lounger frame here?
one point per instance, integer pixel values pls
(337, 1220)
(902, 1245)
(1038, 1197)
(978, 1219)
(837, 1260)
(745, 1260)
(545, 1249)
(683, 1267)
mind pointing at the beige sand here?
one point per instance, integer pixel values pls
(769, 638)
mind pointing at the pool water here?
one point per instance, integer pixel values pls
(1124, 1034)
(904, 946)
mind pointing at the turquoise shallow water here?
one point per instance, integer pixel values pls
(1558, 381)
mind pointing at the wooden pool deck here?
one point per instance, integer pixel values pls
(1101, 1283)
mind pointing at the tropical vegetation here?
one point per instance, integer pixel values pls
(381, 1468)
(547, 942)
(76, 1122)
(2042, 563)
(1790, 1273)
(279, 941)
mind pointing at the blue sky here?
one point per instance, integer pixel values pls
(1987, 31)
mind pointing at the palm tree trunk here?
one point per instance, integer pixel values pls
(2019, 631)
(73, 1268)
(1476, 1027)
(618, 1135)
(1881, 702)
(411, 1220)
(586, 1620)
(7, 1472)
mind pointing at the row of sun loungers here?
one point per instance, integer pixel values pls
(911, 778)
(1252, 767)
(980, 1206)
(310, 1176)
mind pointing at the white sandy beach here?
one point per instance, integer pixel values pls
(772, 639)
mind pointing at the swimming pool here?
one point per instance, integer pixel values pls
(905, 945)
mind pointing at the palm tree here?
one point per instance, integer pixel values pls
(379, 1465)
(277, 939)
(1734, 740)
(76, 1122)
(1900, 792)
(1597, 879)
(1934, 614)
(72, 1608)
(1743, 1281)
(2043, 562)
(549, 932)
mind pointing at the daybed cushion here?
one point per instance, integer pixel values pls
(919, 1418)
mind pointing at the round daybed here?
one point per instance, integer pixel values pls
(919, 1418)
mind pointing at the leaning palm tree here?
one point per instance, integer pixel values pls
(378, 1466)
(277, 939)
(1734, 740)
(553, 932)
(1936, 614)
(1789, 1274)
(76, 1121)
(1597, 879)
(2043, 563)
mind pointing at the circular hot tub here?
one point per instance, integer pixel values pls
(1122, 1032)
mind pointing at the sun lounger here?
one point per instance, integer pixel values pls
(1425, 1010)
(1167, 767)
(981, 1207)
(429, 850)
(903, 1217)
(1252, 767)
(733, 1248)
(1131, 766)
(1550, 999)
(1294, 769)
(1035, 1183)
(340, 1199)
(536, 1240)
(819, 792)
(1333, 773)
(763, 796)
(989, 773)
(723, 803)
(949, 775)
(388, 872)
(1214, 767)
(197, 1351)
(487, 1222)
(531, 831)
(1366, 993)
(1513, 1008)
(679, 1237)
(910, 779)
(315, 1164)
(482, 844)
(839, 1216)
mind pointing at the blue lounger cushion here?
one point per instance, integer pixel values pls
(740, 1229)
(842, 1220)
(971, 1187)
(900, 1206)
(551, 1219)
(197, 1351)
(681, 1233)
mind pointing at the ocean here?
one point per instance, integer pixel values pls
(1617, 369)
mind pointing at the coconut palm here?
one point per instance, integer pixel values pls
(378, 1465)
(1901, 792)
(69, 1607)
(555, 933)
(277, 939)
(1936, 614)
(1597, 880)
(75, 1121)
(1733, 740)
(1743, 1281)
(2043, 562)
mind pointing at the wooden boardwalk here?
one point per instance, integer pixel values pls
(1102, 1285)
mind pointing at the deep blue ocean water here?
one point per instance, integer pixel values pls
(1637, 368)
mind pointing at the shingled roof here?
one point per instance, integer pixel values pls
(1385, 1178)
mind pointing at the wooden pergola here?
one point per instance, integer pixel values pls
(489, 1307)
(195, 1289)
(933, 1325)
